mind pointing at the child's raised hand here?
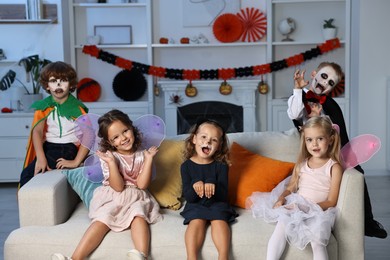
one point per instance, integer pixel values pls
(299, 79)
(106, 157)
(149, 153)
(199, 188)
(209, 190)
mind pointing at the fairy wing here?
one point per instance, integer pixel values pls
(87, 133)
(152, 129)
(359, 150)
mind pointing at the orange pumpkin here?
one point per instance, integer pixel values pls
(190, 90)
(225, 88)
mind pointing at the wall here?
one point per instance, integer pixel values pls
(368, 111)
(370, 66)
(21, 40)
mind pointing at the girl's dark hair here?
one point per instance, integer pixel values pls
(221, 155)
(58, 70)
(105, 122)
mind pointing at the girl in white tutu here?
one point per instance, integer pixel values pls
(303, 205)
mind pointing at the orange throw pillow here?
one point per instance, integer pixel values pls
(251, 172)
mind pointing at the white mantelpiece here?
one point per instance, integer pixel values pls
(243, 94)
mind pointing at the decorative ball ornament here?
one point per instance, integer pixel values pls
(156, 90)
(129, 85)
(262, 87)
(225, 88)
(88, 90)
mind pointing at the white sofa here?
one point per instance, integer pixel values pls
(52, 218)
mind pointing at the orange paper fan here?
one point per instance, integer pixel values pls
(254, 23)
(227, 28)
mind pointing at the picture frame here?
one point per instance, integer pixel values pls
(113, 34)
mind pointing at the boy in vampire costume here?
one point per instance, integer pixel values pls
(316, 101)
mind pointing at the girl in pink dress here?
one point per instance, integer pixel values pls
(122, 201)
(305, 209)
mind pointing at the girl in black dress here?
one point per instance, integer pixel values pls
(205, 187)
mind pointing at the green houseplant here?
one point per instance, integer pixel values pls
(329, 29)
(33, 66)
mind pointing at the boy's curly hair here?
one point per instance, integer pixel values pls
(58, 70)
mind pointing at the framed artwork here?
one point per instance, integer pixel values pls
(203, 12)
(114, 34)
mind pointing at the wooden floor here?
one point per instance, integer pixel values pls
(375, 249)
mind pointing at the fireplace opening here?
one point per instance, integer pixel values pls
(230, 116)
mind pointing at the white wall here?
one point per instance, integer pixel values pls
(21, 40)
(368, 110)
(368, 92)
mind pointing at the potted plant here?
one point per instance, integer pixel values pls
(329, 29)
(33, 66)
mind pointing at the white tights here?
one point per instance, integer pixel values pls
(277, 244)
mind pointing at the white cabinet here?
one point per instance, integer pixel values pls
(309, 16)
(125, 30)
(14, 132)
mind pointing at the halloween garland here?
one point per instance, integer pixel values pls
(220, 73)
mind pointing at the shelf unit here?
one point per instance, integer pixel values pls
(83, 17)
(306, 36)
(16, 14)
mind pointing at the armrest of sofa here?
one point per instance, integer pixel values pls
(349, 225)
(46, 200)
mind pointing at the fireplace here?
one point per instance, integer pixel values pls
(236, 112)
(230, 116)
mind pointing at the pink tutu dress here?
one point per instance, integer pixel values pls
(304, 220)
(118, 209)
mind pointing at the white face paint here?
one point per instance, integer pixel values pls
(324, 80)
(58, 86)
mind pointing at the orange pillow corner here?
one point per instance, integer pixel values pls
(250, 172)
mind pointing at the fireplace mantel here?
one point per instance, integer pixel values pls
(243, 94)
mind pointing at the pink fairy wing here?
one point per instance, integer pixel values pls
(152, 129)
(359, 150)
(92, 169)
(88, 128)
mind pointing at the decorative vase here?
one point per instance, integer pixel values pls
(329, 33)
(29, 99)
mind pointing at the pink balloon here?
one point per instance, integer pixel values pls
(359, 150)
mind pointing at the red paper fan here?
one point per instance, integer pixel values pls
(227, 28)
(254, 23)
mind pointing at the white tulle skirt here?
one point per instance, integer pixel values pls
(305, 221)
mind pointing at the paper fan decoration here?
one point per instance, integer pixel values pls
(129, 85)
(254, 23)
(227, 28)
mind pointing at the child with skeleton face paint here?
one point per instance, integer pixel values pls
(53, 142)
(315, 101)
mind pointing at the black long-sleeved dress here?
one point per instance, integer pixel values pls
(214, 208)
